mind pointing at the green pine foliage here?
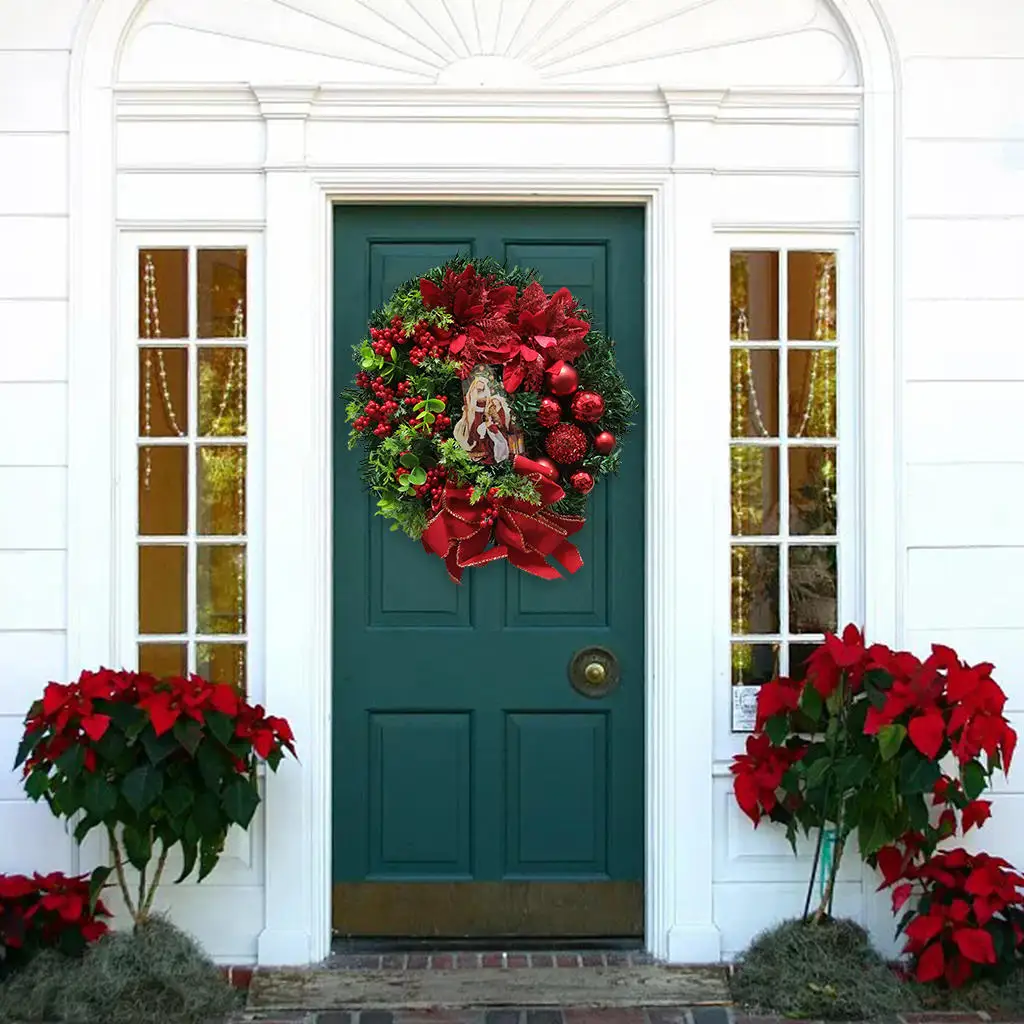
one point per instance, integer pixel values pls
(436, 378)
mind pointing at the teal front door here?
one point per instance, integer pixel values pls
(476, 791)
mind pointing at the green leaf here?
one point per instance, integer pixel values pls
(124, 716)
(240, 801)
(138, 846)
(189, 853)
(72, 761)
(210, 759)
(99, 797)
(37, 783)
(207, 815)
(974, 780)
(394, 355)
(189, 733)
(810, 703)
(918, 774)
(209, 853)
(178, 799)
(85, 826)
(409, 460)
(159, 747)
(221, 726)
(852, 771)
(435, 405)
(890, 739)
(917, 812)
(872, 835)
(97, 880)
(777, 728)
(418, 476)
(818, 771)
(28, 743)
(141, 787)
(428, 418)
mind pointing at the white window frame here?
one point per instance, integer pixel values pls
(127, 444)
(852, 521)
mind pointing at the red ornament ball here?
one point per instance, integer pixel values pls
(604, 442)
(587, 406)
(566, 444)
(582, 481)
(547, 467)
(562, 379)
(549, 413)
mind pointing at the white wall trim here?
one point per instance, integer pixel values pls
(680, 923)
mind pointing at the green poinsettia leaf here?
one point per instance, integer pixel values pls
(890, 739)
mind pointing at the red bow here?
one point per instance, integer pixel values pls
(526, 534)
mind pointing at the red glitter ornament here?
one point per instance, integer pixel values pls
(582, 481)
(562, 379)
(548, 468)
(566, 444)
(604, 442)
(549, 413)
(587, 406)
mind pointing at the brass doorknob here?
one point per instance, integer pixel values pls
(595, 673)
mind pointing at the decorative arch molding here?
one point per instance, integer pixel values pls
(818, 49)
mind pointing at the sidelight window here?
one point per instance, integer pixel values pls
(787, 469)
(192, 446)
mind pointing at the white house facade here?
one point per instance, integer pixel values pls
(830, 194)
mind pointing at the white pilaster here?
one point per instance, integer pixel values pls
(680, 712)
(297, 890)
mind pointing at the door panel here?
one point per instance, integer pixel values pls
(476, 792)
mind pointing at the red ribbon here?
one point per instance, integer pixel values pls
(524, 533)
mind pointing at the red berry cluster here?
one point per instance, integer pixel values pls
(427, 343)
(379, 411)
(384, 339)
(434, 486)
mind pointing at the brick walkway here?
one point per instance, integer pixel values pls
(662, 1015)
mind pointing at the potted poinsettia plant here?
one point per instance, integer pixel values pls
(154, 763)
(858, 745)
(53, 911)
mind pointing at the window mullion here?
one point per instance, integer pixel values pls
(193, 455)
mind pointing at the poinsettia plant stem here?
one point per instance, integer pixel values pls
(122, 882)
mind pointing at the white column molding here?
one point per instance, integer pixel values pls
(297, 469)
(680, 632)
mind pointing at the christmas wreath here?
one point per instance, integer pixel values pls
(488, 410)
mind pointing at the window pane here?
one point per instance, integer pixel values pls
(220, 481)
(811, 295)
(755, 490)
(220, 590)
(812, 491)
(754, 664)
(163, 490)
(163, 660)
(755, 392)
(755, 589)
(222, 663)
(162, 587)
(222, 392)
(798, 655)
(221, 293)
(163, 293)
(812, 392)
(163, 392)
(812, 589)
(754, 295)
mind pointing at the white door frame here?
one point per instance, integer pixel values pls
(679, 911)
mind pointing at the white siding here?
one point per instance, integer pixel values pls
(963, 348)
(35, 42)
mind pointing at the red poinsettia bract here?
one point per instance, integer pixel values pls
(758, 775)
(524, 335)
(969, 915)
(53, 911)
